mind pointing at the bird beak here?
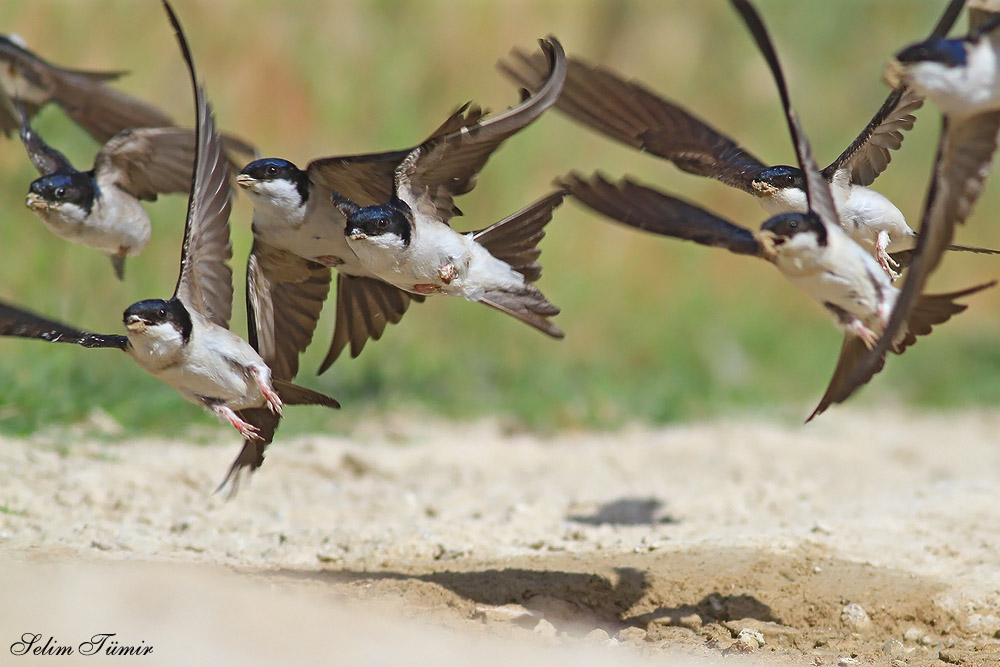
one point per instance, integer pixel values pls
(356, 235)
(136, 324)
(36, 202)
(893, 74)
(245, 181)
(769, 243)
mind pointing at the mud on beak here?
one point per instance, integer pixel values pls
(136, 324)
(893, 74)
(245, 181)
(36, 202)
(356, 235)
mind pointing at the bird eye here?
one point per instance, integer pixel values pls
(163, 312)
(382, 224)
(60, 193)
(793, 224)
(271, 170)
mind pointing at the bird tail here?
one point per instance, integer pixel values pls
(932, 309)
(972, 248)
(293, 394)
(514, 240)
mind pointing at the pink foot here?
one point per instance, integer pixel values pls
(270, 395)
(887, 263)
(867, 336)
(447, 273)
(247, 430)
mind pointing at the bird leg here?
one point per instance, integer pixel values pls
(270, 395)
(881, 244)
(226, 414)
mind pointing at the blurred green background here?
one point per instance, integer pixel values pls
(657, 331)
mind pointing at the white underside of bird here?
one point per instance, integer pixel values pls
(438, 260)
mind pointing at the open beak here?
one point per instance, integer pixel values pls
(245, 181)
(893, 74)
(356, 235)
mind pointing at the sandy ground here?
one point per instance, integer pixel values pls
(862, 539)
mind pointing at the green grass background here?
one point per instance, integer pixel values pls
(657, 331)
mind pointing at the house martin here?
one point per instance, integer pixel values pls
(629, 112)
(85, 96)
(300, 234)
(964, 156)
(101, 208)
(812, 250)
(185, 340)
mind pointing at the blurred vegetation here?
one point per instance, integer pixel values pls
(656, 330)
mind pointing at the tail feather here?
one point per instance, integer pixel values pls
(293, 394)
(971, 248)
(932, 309)
(515, 238)
(529, 306)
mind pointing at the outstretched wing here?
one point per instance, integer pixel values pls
(869, 154)
(447, 165)
(818, 195)
(627, 111)
(965, 153)
(647, 209)
(365, 307)
(19, 323)
(205, 282)
(285, 294)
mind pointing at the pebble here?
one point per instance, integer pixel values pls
(545, 629)
(508, 613)
(598, 635)
(893, 647)
(631, 634)
(748, 641)
(848, 662)
(913, 635)
(855, 617)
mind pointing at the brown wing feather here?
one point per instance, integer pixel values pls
(448, 164)
(205, 281)
(629, 112)
(365, 306)
(285, 294)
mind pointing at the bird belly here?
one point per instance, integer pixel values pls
(867, 212)
(113, 227)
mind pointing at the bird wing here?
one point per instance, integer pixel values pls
(285, 294)
(818, 195)
(869, 154)
(644, 208)
(446, 165)
(149, 161)
(365, 307)
(205, 282)
(627, 111)
(47, 160)
(18, 323)
(964, 156)
(845, 378)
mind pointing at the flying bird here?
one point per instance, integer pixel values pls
(29, 81)
(631, 113)
(956, 75)
(300, 234)
(811, 249)
(100, 208)
(185, 340)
